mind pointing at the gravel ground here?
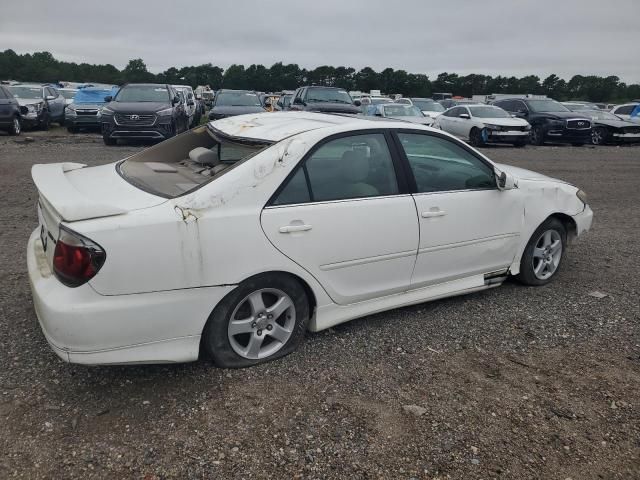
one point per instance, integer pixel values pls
(513, 383)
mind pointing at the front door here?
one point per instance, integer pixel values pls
(343, 217)
(467, 226)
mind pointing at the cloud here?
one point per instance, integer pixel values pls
(495, 37)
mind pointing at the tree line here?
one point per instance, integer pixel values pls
(43, 67)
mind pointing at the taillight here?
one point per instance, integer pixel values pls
(76, 259)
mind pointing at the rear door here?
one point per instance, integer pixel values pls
(346, 217)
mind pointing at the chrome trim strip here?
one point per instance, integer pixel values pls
(466, 243)
(364, 261)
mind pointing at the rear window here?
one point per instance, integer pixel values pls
(184, 163)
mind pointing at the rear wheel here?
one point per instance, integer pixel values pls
(537, 135)
(16, 126)
(599, 136)
(264, 318)
(475, 137)
(72, 129)
(543, 254)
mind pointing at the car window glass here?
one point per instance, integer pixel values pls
(358, 166)
(626, 110)
(296, 190)
(3, 95)
(440, 165)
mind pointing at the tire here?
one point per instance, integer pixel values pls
(249, 304)
(542, 257)
(16, 127)
(475, 137)
(71, 129)
(108, 140)
(599, 136)
(537, 135)
(45, 123)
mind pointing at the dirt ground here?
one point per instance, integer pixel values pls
(512, 383)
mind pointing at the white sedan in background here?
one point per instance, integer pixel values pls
(235, 238)
(397, 111)
(481, 124)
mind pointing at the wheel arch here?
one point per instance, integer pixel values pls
(569, 224)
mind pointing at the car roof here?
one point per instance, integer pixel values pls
(274, 127)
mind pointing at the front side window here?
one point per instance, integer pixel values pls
(358, 166)
(626, 110)
(440, 165)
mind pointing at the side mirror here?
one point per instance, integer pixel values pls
(108, 99)
(464, 115)
(506, 181)
(50, 97)
(357, 103)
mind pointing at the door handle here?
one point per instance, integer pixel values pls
(433, 213)
(295, 228)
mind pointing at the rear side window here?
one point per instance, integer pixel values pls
(358, 166)
(439, 165)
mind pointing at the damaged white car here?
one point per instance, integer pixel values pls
(235, 238)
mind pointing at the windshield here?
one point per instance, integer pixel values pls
(546, 106)
(143, 93)
(488, 112)
(186, 162)
(328, 95)
(428, 106)
(402, 111)
(93, 95)
(68, 94)
(237, 99)
(26, 92)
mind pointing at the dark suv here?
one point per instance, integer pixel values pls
(10, 118)
(324, 99)
(550, 120)
(143, 111)
(228, 103)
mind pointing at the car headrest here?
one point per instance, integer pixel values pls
(355, 165)
(204, 156)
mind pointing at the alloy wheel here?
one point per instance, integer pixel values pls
(16, 126)
(597, 136)
(262, 323)
(547, 254)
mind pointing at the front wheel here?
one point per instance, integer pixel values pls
(543, 254)
(599, 136)
(537, 135)
(264, 318)
(45, 123)
(476, 137)
(108, 140)
(16, 127)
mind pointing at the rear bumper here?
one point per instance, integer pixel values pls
(85, 327)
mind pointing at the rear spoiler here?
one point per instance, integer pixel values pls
(66, 200)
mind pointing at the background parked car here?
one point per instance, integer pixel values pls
(85, 110)
(550, 120)
(44, 105)
(367, 100)
(228, 103)
(324, 99)
(284, 102)
(192, 109)
(609, 128)
(482, 124)
(428, 106)
(143, 111)
(10, 116)
(399, 111)
(624, 111)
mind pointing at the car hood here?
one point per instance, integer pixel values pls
(564, 115)
(504, 122)
(138, 107)
(615, 123)
(230, 110)
(524, 174)
(28, 101)
(332, 107)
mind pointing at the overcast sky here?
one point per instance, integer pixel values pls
(508, 37)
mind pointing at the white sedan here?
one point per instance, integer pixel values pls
(235, 238)
(481, 124)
